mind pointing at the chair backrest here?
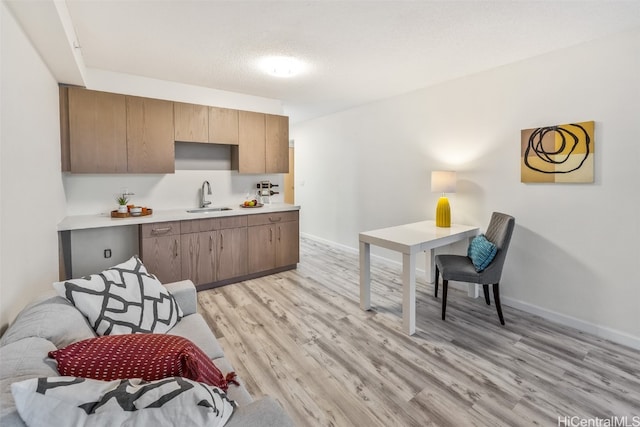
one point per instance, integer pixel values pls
(499, 233)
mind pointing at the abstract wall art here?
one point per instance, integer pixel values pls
(562, 153)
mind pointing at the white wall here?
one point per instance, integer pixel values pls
(31, 185)
(575, 250)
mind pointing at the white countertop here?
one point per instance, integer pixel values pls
(80, 222)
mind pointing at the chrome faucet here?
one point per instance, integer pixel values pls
(203, 198)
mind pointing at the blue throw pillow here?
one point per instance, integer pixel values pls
(482, 252)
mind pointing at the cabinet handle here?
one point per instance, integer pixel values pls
(175, 248)
(221, 241)
(279, 233)
(270, 234)
(275, 219)
(211, 243)
(162, 230)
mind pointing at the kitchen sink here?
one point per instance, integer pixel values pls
(207, 210)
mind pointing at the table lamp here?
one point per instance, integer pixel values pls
(443, 182)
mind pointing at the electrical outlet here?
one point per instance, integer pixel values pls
(107, 253)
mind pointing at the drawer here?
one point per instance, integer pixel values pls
(198, 225)
(232, 222)
(157, 229)
(272, 218)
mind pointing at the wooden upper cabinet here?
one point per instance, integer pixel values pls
(191, 122)
(223, 126)
(250, 155)
(277, 144)
(103, 132)
(263, 143)
(150, 135)
(97, 131)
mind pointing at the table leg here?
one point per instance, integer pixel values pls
(409, 293)
(365, 276)
(430, 267)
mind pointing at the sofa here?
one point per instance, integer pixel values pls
(51, 322)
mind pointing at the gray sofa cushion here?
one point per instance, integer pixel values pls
(21, 360)
(54, 319)
(195, 329)
(238, 394)
(185, 294)
(265, 412)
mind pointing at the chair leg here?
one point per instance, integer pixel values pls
(445, 287)
(437, 279)
(486, 293)
(496, 298)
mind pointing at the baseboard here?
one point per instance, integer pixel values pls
(573, 322)
(562, 319)
(332, 244)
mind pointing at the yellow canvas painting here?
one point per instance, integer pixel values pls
(562, 153)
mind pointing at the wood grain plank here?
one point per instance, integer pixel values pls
(301, 337)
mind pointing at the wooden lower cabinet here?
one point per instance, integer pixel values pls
(213, 256)
(218, 250)
(160, 250)
(287, 243)
(232, 253)
(262, 248)
(198, 256)
(274, 241)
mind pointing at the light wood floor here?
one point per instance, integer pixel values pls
(301, 337)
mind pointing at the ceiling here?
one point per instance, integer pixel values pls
(356, 51)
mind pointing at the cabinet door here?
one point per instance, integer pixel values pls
(161, 256)
(277, 144)
(261, 248)
(150, 145)
(287, 243)
(223, 126)
(251, 149)
(191, 122)
(97, 131)
(232, 253)
(198, 257)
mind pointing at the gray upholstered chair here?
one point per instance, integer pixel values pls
(460, 268)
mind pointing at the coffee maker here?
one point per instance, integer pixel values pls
(265, 191)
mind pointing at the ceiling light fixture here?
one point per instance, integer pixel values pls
(282, 66)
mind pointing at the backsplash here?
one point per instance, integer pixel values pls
(95, 194)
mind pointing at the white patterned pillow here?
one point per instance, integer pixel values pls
(67, 401)
(123, 299)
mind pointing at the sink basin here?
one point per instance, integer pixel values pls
(206, 210)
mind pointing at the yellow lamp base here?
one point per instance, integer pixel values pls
(443, 213)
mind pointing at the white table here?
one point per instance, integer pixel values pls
(408, 239)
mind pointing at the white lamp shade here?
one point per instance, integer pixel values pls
(443, 181)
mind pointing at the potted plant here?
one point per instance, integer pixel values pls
(122, 203)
